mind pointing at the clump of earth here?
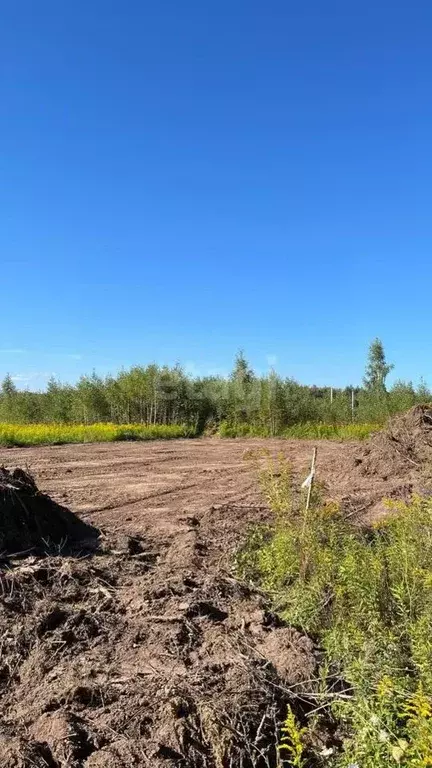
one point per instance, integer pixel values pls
(403, 449)
(31, 522)
(139, 652)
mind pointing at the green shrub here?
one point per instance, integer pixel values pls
(306, 431)
(366, 596)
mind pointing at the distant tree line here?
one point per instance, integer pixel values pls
(163, 395)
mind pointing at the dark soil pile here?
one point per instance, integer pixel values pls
(31, 522)
(403, 449)
(146, 655)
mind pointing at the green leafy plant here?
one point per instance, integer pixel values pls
(291, 746)
(366, 596)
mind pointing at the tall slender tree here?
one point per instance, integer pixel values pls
(8, 388)
(377, 368)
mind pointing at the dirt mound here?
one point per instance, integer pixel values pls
(157, 657)
(32, 522)
(403, 449)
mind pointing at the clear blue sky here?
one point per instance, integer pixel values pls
(181, 179)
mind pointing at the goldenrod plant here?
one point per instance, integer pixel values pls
(57, 434)
(366, 598)
(291, 746)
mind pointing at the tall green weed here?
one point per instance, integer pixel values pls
(366, 597)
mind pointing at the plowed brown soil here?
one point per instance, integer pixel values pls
(149, 488)
(150, 653)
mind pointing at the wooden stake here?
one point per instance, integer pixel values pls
(314, 455)
(309, 493)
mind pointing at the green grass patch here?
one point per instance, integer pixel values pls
(307, 431)
(366, 598)
(57, 434)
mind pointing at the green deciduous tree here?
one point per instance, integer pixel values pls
(243, 401)
(377, 368)
(8, 388)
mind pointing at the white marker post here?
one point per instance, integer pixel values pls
(308, 483)
(310, 478)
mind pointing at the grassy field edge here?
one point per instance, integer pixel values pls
(59, 434)
(22, 435)
(305, 431)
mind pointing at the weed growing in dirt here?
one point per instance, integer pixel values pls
(366, 597)
(57, 434)
(291, 747)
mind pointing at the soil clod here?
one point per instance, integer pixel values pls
(31, 522)
(115, 660)
(403, 449)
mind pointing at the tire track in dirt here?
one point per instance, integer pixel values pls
(154, 495)
(155, 482)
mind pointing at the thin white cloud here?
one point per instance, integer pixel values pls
(24, 378)
(271, 360)
(198, 372)
(20, 351)
(217, 372)
(191, 369)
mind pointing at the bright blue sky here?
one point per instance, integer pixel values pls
(181, 179)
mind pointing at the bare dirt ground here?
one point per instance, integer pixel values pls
(142, 488)
(149, 652)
